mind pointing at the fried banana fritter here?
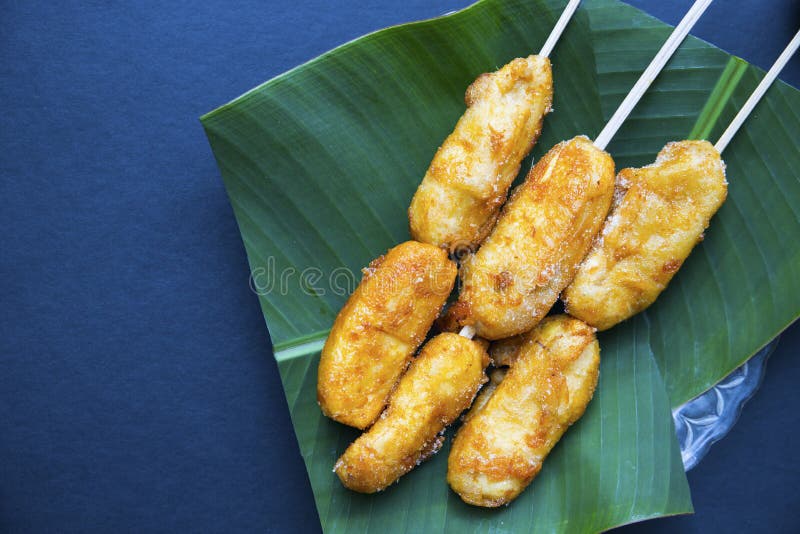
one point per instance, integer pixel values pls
(544, 232)
(506, 437)
(458, 201)
(659, 215)
(439, 385)
(378, 330)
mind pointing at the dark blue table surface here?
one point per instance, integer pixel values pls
(137, 391)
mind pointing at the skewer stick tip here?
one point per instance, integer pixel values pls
(758, 93)
(467, 332)
(558, 29)
(651, 72)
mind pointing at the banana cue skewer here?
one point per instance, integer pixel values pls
(459, 199)
(548, 225)
(518, 419)
(554, 368)
(545, 230)
(659, 215)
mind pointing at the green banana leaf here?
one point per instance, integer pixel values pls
(321, 162)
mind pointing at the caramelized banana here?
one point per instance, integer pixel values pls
(506, 437)
(544, 232)
(458, 201)
(378, 330)
(659, 214)
(439, 385)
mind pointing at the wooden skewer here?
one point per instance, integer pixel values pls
(651, 72)
(558, 29)
(762, 87)
(467, 332)
(569, 10)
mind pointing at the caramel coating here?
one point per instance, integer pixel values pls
(544, 232)
(507, 436)
(458, 201)
(439, 385)
(659, 215)
(378, 330)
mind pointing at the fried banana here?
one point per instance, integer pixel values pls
(505, 438)
(659, 214)
(378, 330)
(544, 232)
(439, 385)
(458, 201)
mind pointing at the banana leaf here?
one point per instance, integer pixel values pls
(320, 164)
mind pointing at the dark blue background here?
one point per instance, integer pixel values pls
(137, 390)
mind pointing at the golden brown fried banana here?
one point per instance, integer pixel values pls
(378, 330)
(544, 232)
(458, 201)
(505, 439)
(439, 385)
(659, 214)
